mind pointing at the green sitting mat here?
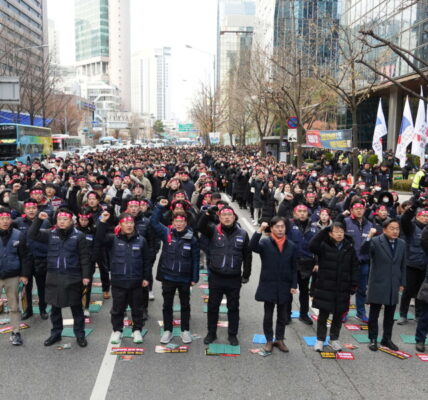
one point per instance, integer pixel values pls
(68, 332)
(97, 275)
(222, 309)
(206, 291)
(352, 313)
(36, 309)
(205, 278)
(96, 290)
(176, 307)
(127, 332)
(409, 316)
(409, 339)
(176, 331)
(94, 308)
(203, 271)
(361, 337)
(218, 348)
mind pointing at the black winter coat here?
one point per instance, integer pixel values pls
(278, 273)
(337, 273)
(269, 203)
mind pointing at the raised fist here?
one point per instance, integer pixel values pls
(105, 216)
(163, 202)
(43, 215)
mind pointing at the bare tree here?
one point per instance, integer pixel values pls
(349, 78)
(208, 111)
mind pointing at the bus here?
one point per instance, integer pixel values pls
(63, 142)
(23, 143)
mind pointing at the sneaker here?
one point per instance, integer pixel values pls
(166, 337)
(137, 336)
(16, 339)
(186, 337)
(151, 295)
(86, 313)
(363, 318)
(402, 321)
(335, 345)
(117, 335)
(319, 346)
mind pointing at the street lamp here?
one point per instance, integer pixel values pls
(188, 46)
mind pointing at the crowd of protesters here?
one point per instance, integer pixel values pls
(320, 234)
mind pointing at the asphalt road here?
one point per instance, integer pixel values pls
(36, 372)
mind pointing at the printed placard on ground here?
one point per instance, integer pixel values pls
(422, 357)
(166, 349)
(175, 322)
(398, 354)
(329, 355)
(223, 324)
(203, 286)
(345, 355)
(9, 329)
(352, 327)
(129, 351)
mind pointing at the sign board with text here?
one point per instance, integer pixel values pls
(334, 140)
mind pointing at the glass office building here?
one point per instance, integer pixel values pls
(309, 23)
(235, 34)
(92, 36)
(405, 26)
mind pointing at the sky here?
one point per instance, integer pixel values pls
(159, 23)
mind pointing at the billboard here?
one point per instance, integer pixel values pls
(333, 140)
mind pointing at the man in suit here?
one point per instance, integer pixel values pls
(387, 277)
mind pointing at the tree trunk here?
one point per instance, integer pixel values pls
(355, 140)
(299, 145)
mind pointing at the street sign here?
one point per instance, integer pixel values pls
(185, 127)
(9, 90)
(292, 122)
(292, 135)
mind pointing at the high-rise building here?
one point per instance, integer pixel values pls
(54, 50)
(102, 30)
(92, 38)
(120, 49)
(163, 83)
(23, 34)
(236, 20)
(304, 24)
(144, 82)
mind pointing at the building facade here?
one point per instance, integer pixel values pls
(120, 49)
(236, 19)
(163, 83)
(92, 38)
(23, 34)
(405, 24)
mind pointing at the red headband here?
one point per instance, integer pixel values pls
(36, 191)
(225, 210)
(87, 216)
(180, 217)
(30, 204)
(5, 214)
(357, 205)
(81, 179)
(301, 207)
(65, 214)
(126, 219)
(134, 203)
(423, 212)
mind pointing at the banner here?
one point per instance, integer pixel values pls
(406, 134)
(379, 132)
(334, 140)
(214, 137)
(419, 136)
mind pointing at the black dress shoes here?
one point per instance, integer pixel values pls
(44, 315)
(211, 337)
(81, 341)
(388, 343)
(52, 340)
(233, 340)
(373, 345)
(26, 315)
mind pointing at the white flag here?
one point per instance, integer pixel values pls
(419, 136)
(406, 134)
(379, 132)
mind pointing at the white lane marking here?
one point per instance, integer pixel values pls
(99, 392)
